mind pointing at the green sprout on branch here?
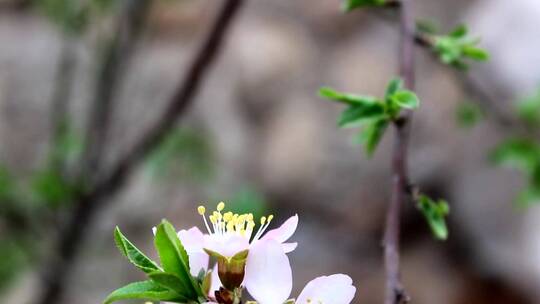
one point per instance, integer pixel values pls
(435, 213)
(349, 5)
(455, 48)
(372, 114)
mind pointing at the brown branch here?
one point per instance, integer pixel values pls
(114, 60)
(395, 293)
(91, 202)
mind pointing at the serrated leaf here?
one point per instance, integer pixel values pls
(435, 214)
(174, 258)
(346, 98)
(146, 290)
(170, 281)
(406, 99)
(134, 255)
(371, 135)
(393, 86)
(356, 115)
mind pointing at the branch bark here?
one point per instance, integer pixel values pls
(114, 60)
(395, 293)
(89, 203)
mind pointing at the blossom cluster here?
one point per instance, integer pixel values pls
(246, 258)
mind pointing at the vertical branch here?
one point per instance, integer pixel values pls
(64, 78)
(395, 293)
(89, 203)
(114, 59)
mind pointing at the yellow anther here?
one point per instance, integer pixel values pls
(250, 217)
(270, 217)
(263, 220)
(201, 210)
(220, 206)
(213, 219)
(227, 217)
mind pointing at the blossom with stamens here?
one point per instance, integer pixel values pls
(229, 237)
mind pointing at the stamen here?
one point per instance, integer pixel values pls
(220, 206)
(201, 211)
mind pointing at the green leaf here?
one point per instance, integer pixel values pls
(349, 99)
(406, 99)
(520, 153)
(349, 5)
(174, 258)
(528, 109)
(435, 213)
(147, 290)
(475, 53)
(393, 86)
(51, 187)
(171, 282)
(459, 32)
(372, 134)
(134, 255)
(358, 114)
(468, 114)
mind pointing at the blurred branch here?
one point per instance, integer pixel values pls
(395, 293)
(65, 75)
(114, 61)
(89, 203)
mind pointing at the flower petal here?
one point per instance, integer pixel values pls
(193, 241)
(284, 232)
(268, 276)
(289, 247)
(216, 283)
(333, 289)
(226, 245)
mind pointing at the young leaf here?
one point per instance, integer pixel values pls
(358, 114)
(475, 53)
(171, 282)
(520, 153)
(459, 32)
(174, 258)
(372, 134)
(435, 213)
(406, 99)
(134, 255)
(349, 5)
(393, 86)
(146, 290)
(528, 109)
(349, 99)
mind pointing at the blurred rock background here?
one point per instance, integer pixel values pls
(258, 137)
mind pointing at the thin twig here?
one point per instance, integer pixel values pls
(91, 202)
(395, 293)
